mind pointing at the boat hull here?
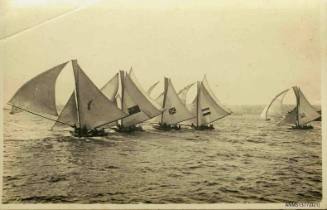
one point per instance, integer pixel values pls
(165, 127)
(88, 133)
(305, 127)
(203, 127)
(128, 129)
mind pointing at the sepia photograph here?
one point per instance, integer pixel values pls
(163, 104)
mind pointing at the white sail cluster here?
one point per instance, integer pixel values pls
(122, 102)
(300, 115)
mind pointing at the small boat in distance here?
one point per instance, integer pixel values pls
(175, 110)
(299, 116)
(206, 107)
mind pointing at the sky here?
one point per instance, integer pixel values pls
(249, 50)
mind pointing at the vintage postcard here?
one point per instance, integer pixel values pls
(163, 104)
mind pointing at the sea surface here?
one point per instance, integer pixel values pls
(244, 160)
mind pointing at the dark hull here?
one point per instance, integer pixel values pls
(129, 129)
(305, 127)
(167, 127)
(203, 127)
(91, 133)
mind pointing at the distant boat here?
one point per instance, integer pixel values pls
(206, 107)
(87, 109)
(133, 100)
(299, 116)
(174, 107)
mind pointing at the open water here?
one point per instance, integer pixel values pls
(245, 159)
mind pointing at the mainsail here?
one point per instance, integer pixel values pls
(208, 108)
(175, 109)
(303, 113)
(136, 102)
(306, 112)
(110, 89)
(88, 107)
(38, 95)
(275, 109)
(205, 83)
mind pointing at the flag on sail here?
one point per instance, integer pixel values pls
(38, 94)
(133, 110)
(175, 110)
(136, 102)
(206, 111)
(209, 109)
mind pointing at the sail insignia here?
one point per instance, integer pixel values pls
(175, 110)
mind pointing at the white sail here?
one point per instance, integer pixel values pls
(183, 92)
(149, 91)
(159, 99)
(94, 108)
(175, 109)
(205, 83)
(38, 94)
(110, 89)
(275, 109)
(290, 117)
(208, 110)
(138, 95)
(68, 115)
(136, 115)
(306, 112)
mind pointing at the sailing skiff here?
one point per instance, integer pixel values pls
(132, 99)
(174, 108)
(87, 109)
(206, 107)
(299, 116)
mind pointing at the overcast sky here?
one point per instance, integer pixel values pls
(249, 50)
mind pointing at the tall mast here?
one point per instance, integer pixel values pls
(77, 98)
(165, 96)
(122, 93)
(297, 104)
(197, 104)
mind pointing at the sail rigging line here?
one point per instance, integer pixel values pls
(149, 91)
(98, 126)
(220, 118)
(273, 100)
(48, 118)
